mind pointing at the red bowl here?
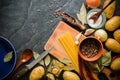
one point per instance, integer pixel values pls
(90, 49)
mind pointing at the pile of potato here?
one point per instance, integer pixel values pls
(113, 26)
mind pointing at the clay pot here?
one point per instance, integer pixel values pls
(90, 49)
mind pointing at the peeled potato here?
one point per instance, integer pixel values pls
(37, 73)
(68, 75)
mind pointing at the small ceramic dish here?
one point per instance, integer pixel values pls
(100, 22)
(6, 67)
(90, 49)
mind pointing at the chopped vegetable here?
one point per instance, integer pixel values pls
(82, 14)
(8, 56)
(68, 44)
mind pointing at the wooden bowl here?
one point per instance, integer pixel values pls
(90, 49)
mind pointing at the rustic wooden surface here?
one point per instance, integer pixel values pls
(29, 23)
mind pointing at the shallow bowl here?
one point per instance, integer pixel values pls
(6, 67)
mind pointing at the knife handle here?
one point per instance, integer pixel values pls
(20, 73)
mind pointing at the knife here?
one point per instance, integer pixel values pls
(31, 65)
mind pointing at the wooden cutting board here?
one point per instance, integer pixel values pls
(58, 52)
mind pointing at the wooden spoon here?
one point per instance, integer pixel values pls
(96, 15)
(24, 57)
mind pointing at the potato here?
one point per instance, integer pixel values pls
(37, 73)
(109, 11)
(115, 65)
(112, 45)
(68, 75)
(113, 23)
(50, 76)
(116, 35)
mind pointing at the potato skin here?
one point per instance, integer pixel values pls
(112, 45)
(116, 35)
(115, 65)
(113, 23)
(68, 75)
(109, 11)
(37, 73)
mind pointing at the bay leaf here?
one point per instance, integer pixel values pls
(65, 61)
(82, 14)
(8, 56)
(41, 62)
(68, 68)
(47, 60)
(106, 59)
(36, 55)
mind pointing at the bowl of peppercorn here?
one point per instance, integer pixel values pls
(90, 49)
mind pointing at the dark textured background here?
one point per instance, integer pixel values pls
(29, 23)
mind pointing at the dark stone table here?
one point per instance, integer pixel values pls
(29, 23)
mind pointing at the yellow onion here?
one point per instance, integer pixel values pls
(101, 34)
(93, 3)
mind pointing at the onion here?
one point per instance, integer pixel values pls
(93, 3)
(101, 34)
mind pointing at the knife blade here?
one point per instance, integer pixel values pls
(31, 65)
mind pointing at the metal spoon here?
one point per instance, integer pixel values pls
(24, 57)
(96, 15)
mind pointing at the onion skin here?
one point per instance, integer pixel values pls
(93, 3)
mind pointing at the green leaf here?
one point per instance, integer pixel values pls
(106, 59)
(47, 60)
(65, 60)
(8, 56)
(36, 55)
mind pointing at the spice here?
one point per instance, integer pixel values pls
(69, 19)
(91, 22)
(89, 48)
